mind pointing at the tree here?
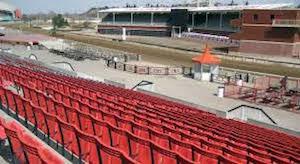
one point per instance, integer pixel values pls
(58, 21)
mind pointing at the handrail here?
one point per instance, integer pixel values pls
(256, 108)
(36, 58)
(142, 83)
(65, 63)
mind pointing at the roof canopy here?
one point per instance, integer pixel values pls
(194, 9)
(207, 58)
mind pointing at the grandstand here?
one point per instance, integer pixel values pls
(100, 123)
(9, 12)
(209, 19)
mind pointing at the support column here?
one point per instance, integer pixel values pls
(193, 20)
(98, 15)
(240, 18)
(206, 19)
(114, 18)
(131, 18)
(152, 18)
(221, 20)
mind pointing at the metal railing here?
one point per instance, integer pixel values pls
(286, 22)
(253, 108)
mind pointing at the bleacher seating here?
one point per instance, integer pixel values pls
(24, 147)
(100, 123)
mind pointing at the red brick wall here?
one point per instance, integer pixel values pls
(264, 16)
(269, 48)
(262, 30)
(288, 35)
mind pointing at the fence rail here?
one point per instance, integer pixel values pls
(149, 70)
(286, 22)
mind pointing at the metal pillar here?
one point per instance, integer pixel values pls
(193, 20)
(206, 19)
(114, 18)
(221, 20)
(131, 18)
(152, 18)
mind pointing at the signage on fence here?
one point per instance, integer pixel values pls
(157, 71)
(142, 70)
(130, 68)
(120, 66)
(175, 70)
(149, 70)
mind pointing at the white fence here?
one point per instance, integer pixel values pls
(216, 39)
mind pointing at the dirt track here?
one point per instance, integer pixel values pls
(169, 56)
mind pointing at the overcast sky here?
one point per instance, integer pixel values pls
(72, 6)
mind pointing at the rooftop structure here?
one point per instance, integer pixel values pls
(211, 19)
(194, 9)
(207, 58)
(9, 12)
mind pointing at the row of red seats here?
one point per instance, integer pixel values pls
(267, 133)
(24, 147)
(95, 135)
(217, 120)
(36, 100)
(162, 128)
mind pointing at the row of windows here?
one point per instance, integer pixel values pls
(255, 17)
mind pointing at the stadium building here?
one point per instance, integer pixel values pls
(269, 32)
(165, 20)
(9, 12)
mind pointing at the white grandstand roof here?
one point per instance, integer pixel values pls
(6, 7)
(194, 9)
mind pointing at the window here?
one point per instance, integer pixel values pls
(272, 17)
(255, 17)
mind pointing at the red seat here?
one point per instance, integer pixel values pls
(30, 147)
(89, 148)
(13, 130)
(161, 155)
(119, 139)
(110, 155)
(48, 157)
(69, 137)
(102, 131)
(53, 128)
(140, 150)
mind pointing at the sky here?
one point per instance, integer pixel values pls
(78, 6)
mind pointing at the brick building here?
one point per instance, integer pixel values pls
(269, 32)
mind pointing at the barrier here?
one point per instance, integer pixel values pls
(130, 68)
(211, 38)
(149, 70)
(142, 70)
(158, 71)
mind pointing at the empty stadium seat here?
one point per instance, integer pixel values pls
(102, 123)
